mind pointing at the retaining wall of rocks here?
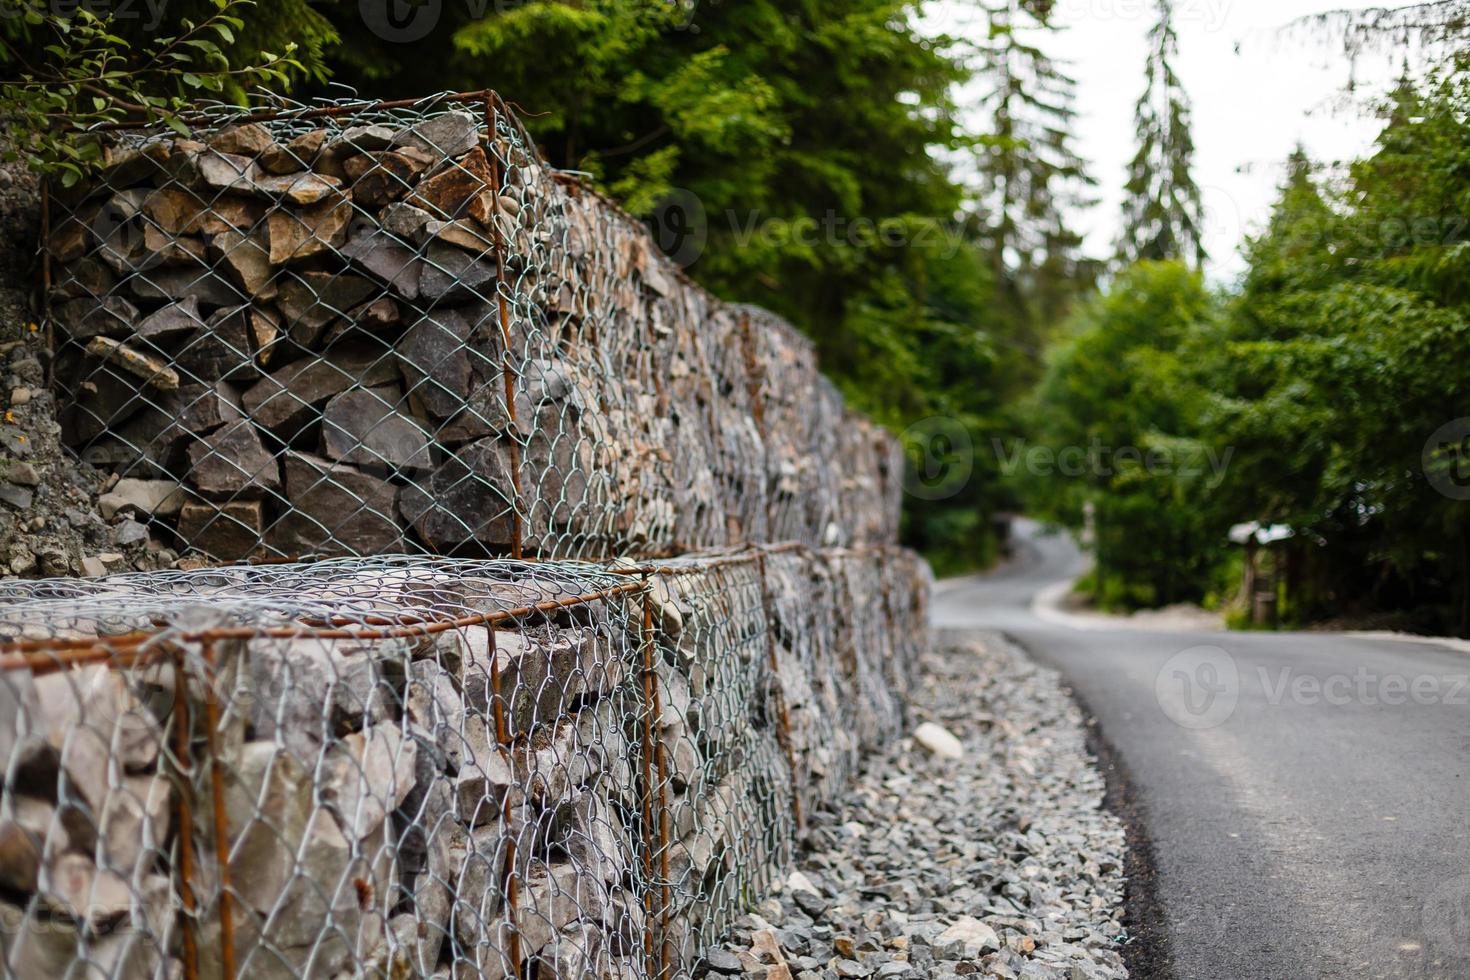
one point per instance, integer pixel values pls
(369, 331)
(386, 330)
(426, 767)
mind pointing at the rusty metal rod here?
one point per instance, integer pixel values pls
(502, 743)
(221, 821)
(646, 761)
(507, 362)
(17, 656)
(783, 718)
(186, 817)
(663, 794)
(309, 112)
(46, 284)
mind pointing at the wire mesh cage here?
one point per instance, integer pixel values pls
(426, 767)
(365, 328)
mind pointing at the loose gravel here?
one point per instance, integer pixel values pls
(1001, 862)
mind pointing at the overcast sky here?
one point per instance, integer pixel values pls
(1255, 92)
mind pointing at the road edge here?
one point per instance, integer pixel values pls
(1149, 952)
(1046, 605)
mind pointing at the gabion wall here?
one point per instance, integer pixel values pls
(389, 330)
(366, 329)
(429, 767)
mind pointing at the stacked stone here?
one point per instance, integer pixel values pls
(84, 836)
(381, 790)
(293, 337)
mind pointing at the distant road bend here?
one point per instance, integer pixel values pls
(1307, 795)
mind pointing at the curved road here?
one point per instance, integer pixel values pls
(1307, 796)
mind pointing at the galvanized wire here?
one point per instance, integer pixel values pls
(416, 766)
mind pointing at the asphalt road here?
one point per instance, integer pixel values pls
(1307, 796)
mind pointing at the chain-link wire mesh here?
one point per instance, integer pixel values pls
(364, 328)
(427, 767)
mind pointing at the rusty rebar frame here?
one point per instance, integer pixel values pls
(645, 756)
(507, 363)
(185, 812)
(140, 647)
(778, 694)
(502, 745)
(221, 821)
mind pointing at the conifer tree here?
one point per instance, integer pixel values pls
(1031, 179)
(1162, 213)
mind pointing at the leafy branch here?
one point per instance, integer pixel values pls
(62, 75)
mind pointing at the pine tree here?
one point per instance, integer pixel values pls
(1031, 179)
(1162, 213)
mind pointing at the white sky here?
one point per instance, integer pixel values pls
(1255, 94)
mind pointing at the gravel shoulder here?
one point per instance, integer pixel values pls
(1000, 862)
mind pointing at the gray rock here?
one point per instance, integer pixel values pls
(451, 362)
(160, 497)
(19, 498)
(227, 531)
(311, 301)
(171, 321)
(19, 473)
(366, 427)
(721, 961)
(85, 318)
(336, 509)
(368, 775)
(450, 134)
(451, 274)
(231, 460)
(289, 399)
(405, 222)
(466, 501)
(380, 254)
(129, 532)
(304, 690)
